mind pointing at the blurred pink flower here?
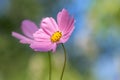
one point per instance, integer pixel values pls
(49, 35)
(28, 28)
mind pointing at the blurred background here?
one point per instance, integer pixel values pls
(93, 51)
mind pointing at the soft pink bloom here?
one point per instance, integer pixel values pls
(50, 34)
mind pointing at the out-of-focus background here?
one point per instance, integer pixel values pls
(93, 49)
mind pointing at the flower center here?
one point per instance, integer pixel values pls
(56, 36)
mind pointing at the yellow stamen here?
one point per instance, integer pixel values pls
(56, 36)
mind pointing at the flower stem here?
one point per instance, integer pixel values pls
(65, 56)
(50, 66)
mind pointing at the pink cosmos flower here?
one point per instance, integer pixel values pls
(49, 35)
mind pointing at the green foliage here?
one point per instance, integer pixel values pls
(105, 14)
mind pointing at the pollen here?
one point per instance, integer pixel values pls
(56, 36)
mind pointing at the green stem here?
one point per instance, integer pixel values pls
(65, 56)
(50, 66)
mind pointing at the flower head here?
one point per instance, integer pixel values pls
(49, 35)
(52, 33)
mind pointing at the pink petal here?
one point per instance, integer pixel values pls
(65, 21)
(66, 36)
(28, 28)
(22, 38)
(43, 46)
(49, 25)
(66, 25)
(54, 48)
(40, 35)
(70, 26)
